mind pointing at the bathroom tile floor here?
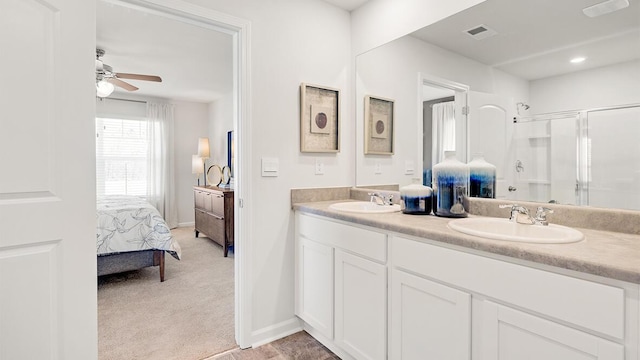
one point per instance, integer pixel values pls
(299, 346)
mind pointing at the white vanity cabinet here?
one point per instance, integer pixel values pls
(373, 294)
(341, 285)
(557, 317)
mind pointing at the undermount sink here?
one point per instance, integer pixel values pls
(503, 229)
(366, 207)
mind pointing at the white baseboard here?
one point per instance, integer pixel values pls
(187, 224)
(275, 332)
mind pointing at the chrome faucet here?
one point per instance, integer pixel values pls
(517, 212)
(381, 199)
(541, 216)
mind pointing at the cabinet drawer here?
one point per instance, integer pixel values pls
(364, 242)
(587, 304)
(199, 198)
(215, 230)
(217, 205)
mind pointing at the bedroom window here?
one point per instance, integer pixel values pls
(121, 157)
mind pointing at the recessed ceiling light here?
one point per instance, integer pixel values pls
(578, 60)
(605, 7)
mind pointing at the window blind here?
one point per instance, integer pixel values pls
(121, 157)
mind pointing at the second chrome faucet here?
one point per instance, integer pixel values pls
(521, 215)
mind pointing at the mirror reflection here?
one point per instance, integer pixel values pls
(498, 79)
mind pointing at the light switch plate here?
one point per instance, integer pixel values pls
(377, 168)
(270, 167)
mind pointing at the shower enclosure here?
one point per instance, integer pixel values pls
(588, 157)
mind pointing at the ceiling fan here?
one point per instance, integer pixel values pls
(107, 79)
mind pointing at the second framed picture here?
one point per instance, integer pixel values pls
(378, 125)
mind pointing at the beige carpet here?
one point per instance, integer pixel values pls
(189, 316)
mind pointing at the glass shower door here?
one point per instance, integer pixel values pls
(612, 158)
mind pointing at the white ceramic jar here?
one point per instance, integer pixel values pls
(416, 198)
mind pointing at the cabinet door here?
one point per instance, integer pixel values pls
(314, 293)
(428, 320)
(361, 306)
(509, 334)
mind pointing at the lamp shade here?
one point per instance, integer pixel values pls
(197, 165)
(104, 88)
(203, 148)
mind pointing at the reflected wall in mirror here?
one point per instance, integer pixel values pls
(526, 102)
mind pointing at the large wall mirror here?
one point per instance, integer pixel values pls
(497, 79)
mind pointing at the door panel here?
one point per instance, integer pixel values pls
(361, 306)
(47, 180)
(429, 320)
(490, 133)
(512, 335)
(315, 285)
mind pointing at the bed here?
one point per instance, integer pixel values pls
(131, 234)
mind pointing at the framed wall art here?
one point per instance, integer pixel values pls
(378, 125)
(319, 119)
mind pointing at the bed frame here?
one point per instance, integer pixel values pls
(127, 261)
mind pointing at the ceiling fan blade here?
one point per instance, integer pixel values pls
(139, 77)
(122, 84)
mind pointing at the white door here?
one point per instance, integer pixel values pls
(509, 334)
(47, 180)
(314, 285)
(490, 133)
(428, 320)
(361, 306)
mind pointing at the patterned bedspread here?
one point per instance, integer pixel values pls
(129, 223)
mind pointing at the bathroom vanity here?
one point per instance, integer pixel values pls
(395, 286)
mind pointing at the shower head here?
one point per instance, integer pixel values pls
(523, 105)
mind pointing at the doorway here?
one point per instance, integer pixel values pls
(238, 30)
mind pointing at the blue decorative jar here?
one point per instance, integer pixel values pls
(450, 186)
(482, 178)
(416, 198)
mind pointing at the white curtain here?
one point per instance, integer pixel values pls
(444, 130)
(160, 170)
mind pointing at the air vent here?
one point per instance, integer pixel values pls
(480, 32)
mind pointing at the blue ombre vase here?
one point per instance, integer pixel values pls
(416, 198)
(482, 178)
(450, 186)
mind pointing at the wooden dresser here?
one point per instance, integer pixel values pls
(214, 214)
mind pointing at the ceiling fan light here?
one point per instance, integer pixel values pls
(104, 88)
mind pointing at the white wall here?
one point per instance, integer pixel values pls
(191, 122)
(391, 71)
(605, 86)
(220, 122)
(292, 41)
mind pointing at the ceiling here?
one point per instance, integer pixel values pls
(195, 63)
(530, 34)
(196, 69)
(536, 39)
